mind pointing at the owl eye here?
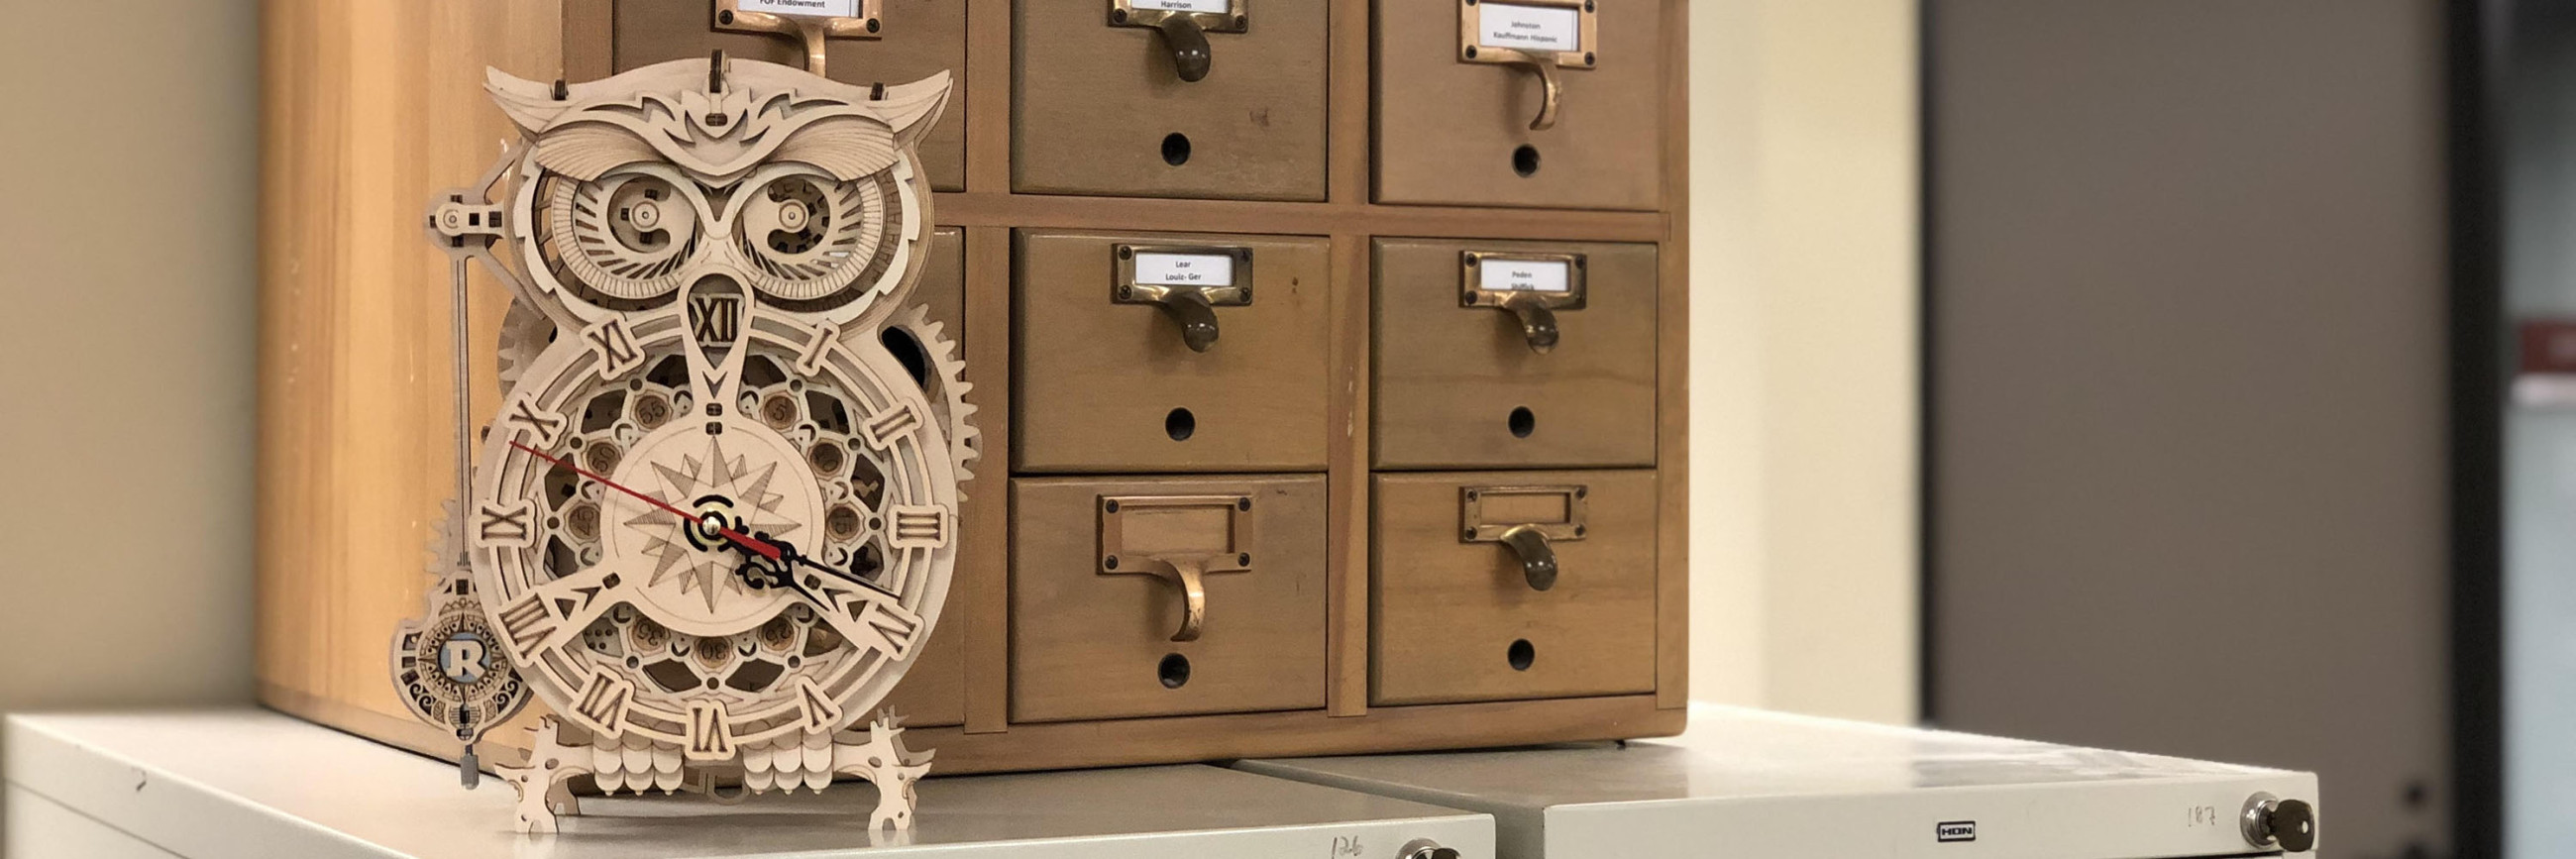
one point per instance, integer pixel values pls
(625, 237)
(812, 243)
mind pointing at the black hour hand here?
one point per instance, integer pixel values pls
(789, 557)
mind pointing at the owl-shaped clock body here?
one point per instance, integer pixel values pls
(714, 519)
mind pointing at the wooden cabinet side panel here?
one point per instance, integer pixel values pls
(356, 408)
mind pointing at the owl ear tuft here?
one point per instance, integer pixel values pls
(914, 107)
(531, 105)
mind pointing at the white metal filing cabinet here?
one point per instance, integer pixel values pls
(1744, 784)
(255, 784)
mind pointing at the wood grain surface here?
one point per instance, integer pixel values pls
(1446, 614)
(1448, 132)
(1450, 379)
(1094, 106)
(1100, 382)
(1089, 646)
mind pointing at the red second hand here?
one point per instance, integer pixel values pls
(759, 547)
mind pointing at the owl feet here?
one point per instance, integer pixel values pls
(545, 792)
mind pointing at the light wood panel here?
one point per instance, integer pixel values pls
(371, 109)
(366, 110)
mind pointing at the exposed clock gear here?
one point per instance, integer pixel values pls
(945, 377)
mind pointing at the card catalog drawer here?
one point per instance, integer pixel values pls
(913, 39)
(1170, 352)
(1510, 585)
(933, 692)
(1101, 623)
(1102, 99)
(1514, 354)
(1459, 85)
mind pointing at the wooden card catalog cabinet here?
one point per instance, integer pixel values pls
(1169, 98)
(863, 42)
(1549, 103)
(1318, 366)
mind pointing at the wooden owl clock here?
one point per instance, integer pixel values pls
(714, 520)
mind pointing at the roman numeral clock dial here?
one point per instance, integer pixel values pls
(712, 517)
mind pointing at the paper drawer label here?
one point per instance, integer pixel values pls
(1217, 6)
(1158, 269)
(825, 8)
(1529, 28)
(1512, 275)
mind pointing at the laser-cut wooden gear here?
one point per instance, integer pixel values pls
(716, 518)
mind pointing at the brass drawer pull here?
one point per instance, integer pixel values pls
(1188, 283)
(866, 23)
(1531, 287)
(1184, 25)
(1537, 35)
(1529, 520)
(1181, 539)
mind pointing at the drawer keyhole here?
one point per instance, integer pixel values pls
(1174, 670)
(1520, 655)
(1176, 150)
(1180, 425)
(1524, 160)
(1522, 422)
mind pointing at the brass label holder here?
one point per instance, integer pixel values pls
(1131, 545)
(1531, 287)
(1532, 35)
(1527, 520)
(1184, 25)
(1187, 281)
(766, 16)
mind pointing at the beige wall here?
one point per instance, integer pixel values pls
(127, 318)
(1803, 384)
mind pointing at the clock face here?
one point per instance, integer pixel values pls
(714, 509)
(629, 602)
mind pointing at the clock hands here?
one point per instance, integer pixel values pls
(748, 543)
(772, 558)
(789, 557)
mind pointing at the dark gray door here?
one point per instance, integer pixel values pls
(2187, 389)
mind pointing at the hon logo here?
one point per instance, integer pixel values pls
(1956, 830)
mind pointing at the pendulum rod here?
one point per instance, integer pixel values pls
(468, 770)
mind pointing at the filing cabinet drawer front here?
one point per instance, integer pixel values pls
(1462, 387)
(1101, 109)
(1452, 132)
(1095, 643)
(921, 38)
(1455, 620)
(1102, 385)
(933, 692)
